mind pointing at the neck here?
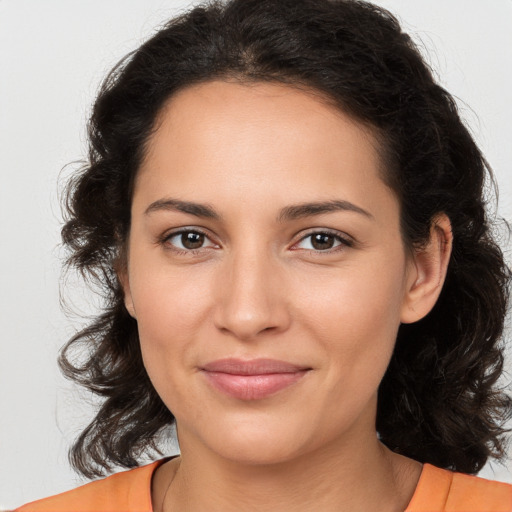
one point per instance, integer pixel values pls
(336, 478)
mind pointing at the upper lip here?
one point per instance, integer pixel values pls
(252, 366)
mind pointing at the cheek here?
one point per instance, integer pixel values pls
(356, 318)
(356, 300)
(170, 303)
(171, 308)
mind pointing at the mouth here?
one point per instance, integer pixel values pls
(254, 379)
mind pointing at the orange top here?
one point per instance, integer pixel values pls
(438, 490)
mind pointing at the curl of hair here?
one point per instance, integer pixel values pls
(439, 401)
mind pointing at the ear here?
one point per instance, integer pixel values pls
(124, 280)
(427, 271)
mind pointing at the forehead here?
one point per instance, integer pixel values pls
(242, 140)
(275, 106)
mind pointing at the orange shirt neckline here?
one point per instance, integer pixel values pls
(432, 489)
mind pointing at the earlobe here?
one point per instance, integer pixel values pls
(428, 269)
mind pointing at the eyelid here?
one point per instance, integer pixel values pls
(167, 235)
(345, 240)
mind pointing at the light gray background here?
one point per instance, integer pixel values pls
(53, 54)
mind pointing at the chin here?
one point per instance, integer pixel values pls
(256, 442)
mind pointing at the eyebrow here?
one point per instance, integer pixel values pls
(310, 209)
(199, 210)
(288, 213)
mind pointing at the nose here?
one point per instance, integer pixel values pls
(251, 296)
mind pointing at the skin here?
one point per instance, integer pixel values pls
(258, 287)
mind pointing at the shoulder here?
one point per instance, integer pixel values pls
(125, 491)
(480, 494)
(441, 490)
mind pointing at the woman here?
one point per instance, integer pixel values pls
(287, 216)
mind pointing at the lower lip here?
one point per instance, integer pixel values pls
(252, 387)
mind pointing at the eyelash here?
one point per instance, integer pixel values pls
(344, 241)
(165, 240)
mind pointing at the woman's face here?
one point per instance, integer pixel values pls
(266, 271)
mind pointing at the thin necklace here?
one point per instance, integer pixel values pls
(165, 496)
(167, 490)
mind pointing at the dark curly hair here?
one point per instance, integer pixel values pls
(439, 401)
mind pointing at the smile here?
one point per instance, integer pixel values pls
(252, 380)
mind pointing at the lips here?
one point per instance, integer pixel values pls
(254, 379)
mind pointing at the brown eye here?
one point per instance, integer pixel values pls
(188, 241)
(322, 241)
(191, 240)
